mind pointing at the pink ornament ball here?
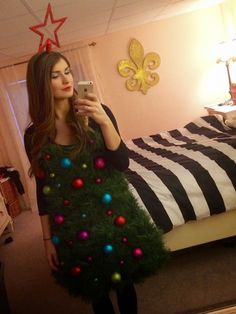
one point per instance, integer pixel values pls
(99, 163)
(59, 219)
(83, 235)
(137, 252)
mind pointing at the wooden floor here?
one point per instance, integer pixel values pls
(230, 310)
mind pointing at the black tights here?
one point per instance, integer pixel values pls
(126, 300)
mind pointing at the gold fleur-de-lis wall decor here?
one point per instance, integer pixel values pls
(139, 68)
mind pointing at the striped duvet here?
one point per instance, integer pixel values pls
(185, 174)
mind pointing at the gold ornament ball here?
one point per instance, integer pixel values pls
(46, 190)
(116, 277)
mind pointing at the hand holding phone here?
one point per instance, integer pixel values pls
(84, 87)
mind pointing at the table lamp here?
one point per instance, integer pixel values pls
(227, 54)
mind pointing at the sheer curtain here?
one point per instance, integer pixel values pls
(15, 118)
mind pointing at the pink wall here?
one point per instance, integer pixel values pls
(189, 75)
(190, 78)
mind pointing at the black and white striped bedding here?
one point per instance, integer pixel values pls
(185, 174)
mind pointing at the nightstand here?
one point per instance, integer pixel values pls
(227, 111)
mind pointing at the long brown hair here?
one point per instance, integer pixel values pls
(42, 107)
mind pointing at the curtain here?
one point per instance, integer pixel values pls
(15, 118)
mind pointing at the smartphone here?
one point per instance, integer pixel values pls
(84, 87)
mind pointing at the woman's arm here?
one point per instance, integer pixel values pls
(50, 249)
(102, 116)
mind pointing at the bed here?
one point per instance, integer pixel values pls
(186, 180)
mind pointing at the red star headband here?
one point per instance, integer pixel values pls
(46, 42)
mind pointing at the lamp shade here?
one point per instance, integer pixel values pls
(227, 51)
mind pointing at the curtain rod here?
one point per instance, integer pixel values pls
(93, 43)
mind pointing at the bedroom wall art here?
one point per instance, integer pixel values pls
(140, 68)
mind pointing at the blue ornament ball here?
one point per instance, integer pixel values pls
(66, 162)
(108, 249)
(56, 240)
(106, 198)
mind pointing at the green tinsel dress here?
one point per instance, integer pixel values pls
(103, 238)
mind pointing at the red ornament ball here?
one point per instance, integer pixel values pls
(122, 262)
(124, 240)
(99, 163)
(40, 174)
(120, 221)
(78, 183)
(47, 156)
(66, 202)
(75, 271)
(98, 180)
(137, 252)
(89, 259)
(109, 212)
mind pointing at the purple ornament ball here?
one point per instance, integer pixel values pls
(99, 163)
(83, 235)
(59, 219)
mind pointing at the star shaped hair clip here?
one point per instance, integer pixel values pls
(45, 41)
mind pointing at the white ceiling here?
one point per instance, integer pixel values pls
(85, 19)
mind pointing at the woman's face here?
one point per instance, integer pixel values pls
(62, 82)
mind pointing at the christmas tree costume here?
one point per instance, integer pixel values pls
(103, 238)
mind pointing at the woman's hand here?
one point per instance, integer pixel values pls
(92, 108)
(51, 255)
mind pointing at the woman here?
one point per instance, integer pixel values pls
(96, 237)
